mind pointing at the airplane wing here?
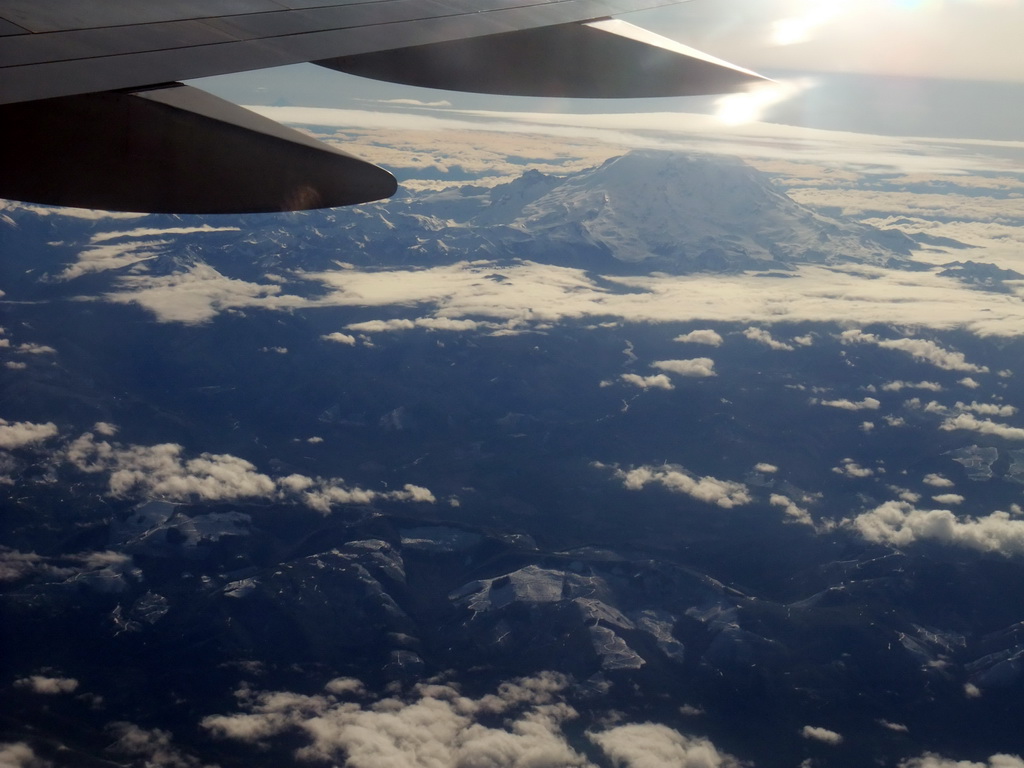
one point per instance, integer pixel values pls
(93, 115)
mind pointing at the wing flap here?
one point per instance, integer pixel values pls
(173, 150)
(606, 58)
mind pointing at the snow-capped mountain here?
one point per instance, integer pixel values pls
(647, 210)
(694, 210)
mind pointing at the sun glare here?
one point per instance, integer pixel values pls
(751, 105)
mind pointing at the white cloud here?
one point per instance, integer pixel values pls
(937, 481)
(724, 493)
(658, 381)
(708, 336)
(987, 409)
(198, 294)
(381, 326)
(155, 746)
(900, 524)
(30, 348)
(850, 468)
(793, 512)
(649, 745)
(532, 293)
(163, 471)
(971, 691)
(104, 428)
(970, 422)
(921, 350)
(341, 338)
(345, 686)
(931, 760)
(99, 258)
(430, 323)
(896, 386)
(766, 468)
(761, 336)
(867, 404)
(20, 755)
(898, 727)
(824, 735)
(18, 434)
(436, 726)
(968, 382)
(50, 686)
(948, 498)
(697, 367)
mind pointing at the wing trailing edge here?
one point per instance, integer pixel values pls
(173, 149)
(606, 58)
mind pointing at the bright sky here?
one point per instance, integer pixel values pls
(810, 46)
(958, 39)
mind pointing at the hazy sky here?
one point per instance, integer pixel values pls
(820, 50)
(962, 39)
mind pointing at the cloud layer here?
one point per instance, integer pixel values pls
(436, 726)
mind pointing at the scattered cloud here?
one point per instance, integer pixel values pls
(698, 367)
(649, 745)
(156, 747)
(896, 386)
(867, 404)
(164, 471)
(340, 338)
(937, 481)
(30, 348)
(968, 382)
(435, 724)
(972, 423)
(100, 258)
(922, 350)
(850, 468)
(948, 498)
(824, 735)
(49, 686)
(530, 294)
(761, 336)
(18, 434)
(430, 323)
(898, 727)
(931, 760)
(724, 493)
(794, 513)
(658, 381)
(766, 468)
(987, 409)
(381, 326)
(197, 295)
(709, 337)
(20, 755)
(900, 524)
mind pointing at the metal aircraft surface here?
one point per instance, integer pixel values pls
(92, 114)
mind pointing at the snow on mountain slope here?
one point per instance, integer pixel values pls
(692, 211)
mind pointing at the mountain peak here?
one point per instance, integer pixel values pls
(676, 210)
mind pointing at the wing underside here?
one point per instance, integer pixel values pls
(93, 115)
